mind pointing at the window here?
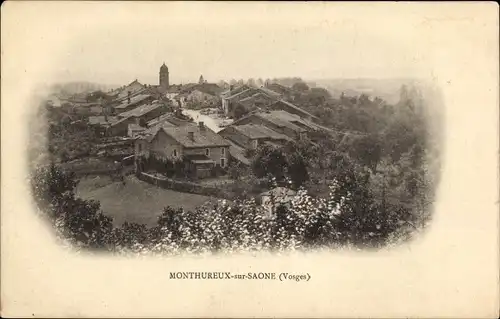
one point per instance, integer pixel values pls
(223, 151)
(207, 152)
(139, 147)
(222, 162)
(175, 153)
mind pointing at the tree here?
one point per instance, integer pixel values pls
(297, 169)
(79, 221)
(251, 82)
(239, 111)
(269, 161)
(300, 87)
(236, 170)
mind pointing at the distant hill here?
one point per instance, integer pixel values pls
(72, 88)
(387, 89)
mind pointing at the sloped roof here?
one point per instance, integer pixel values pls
(238, 153)
(279, 121)
(101, 120)
(294, 118)
(292, 106)
(208, 88)
(133, 87)
(269, 92)
(135, 127)
(254, 131)
(254, 99)
(235, 90)
(141, 110)
(133, 100)
(201, 138)
(278, 88)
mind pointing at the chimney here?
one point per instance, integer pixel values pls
(202, 126)
(128, 97)
(191, 136)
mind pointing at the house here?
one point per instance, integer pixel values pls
(101, 123)
(285, 91)
(96, 109)
(172, 92)
(200, 148)
(238, 154)
(147, 112)
(248, 97)
(171, 118)
(257, 100)
(250, 136)
(139, 116)
(135, 129)
(130, 89)
(205, 94)
(290, 108)
(181, 99)
(271, 199)
(132, 102)
(288, 124)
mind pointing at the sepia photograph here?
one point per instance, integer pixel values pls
(219, 130)
(244, 158)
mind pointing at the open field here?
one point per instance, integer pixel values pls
(136, 201)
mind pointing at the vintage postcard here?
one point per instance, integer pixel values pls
(249, 159)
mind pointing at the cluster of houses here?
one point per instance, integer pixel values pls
(151, 118)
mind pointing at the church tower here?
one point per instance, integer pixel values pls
(164, 83)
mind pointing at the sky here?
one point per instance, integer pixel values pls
(117, 42)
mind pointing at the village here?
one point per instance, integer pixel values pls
(191, 138)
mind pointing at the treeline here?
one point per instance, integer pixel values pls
(348, 216)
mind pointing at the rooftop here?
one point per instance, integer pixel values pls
(208, 88)
(235, 90)
(133, 100)
(101, 120)
(292, 106)
(280, 120)
(134, 127)
(141, 110)
(238, 153)
(278, 88)
(201, 137)
(254, 131)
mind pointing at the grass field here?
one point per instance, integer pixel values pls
(136, 201)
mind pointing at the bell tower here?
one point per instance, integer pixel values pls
(164, 82)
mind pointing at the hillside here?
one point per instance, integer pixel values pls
(387, 89)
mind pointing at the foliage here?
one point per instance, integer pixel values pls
(171, 168)
(239, 111)
(269, 161)
(236, 170)
(377, 162)
(300, 86)
(79, 221)
(69, 135)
